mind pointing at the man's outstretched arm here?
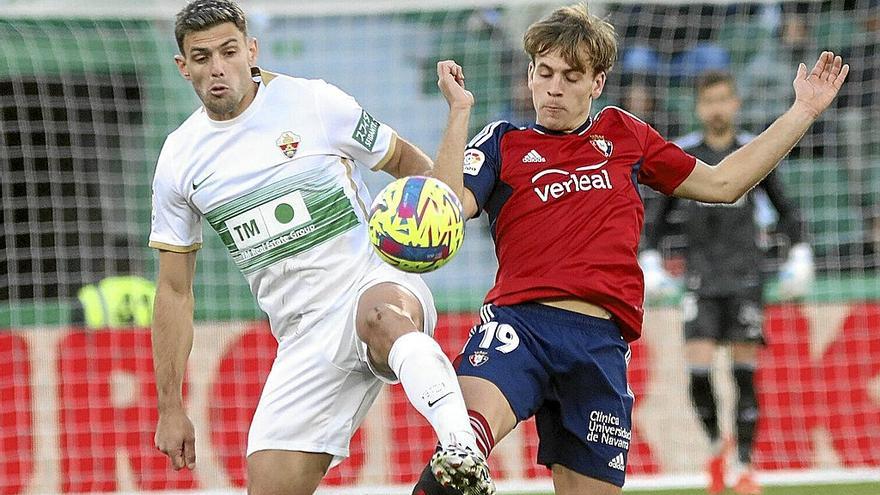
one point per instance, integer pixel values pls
(744, 168)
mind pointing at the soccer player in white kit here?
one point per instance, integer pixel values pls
(273, 164)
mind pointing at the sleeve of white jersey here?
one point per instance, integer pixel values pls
(352, 130)
(175, 225)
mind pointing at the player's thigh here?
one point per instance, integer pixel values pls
(284, 472)
(568, 482)
(486, 398)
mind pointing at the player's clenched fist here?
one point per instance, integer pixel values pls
(450, 80)
(175, 437)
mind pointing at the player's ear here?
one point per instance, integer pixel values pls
(531, 73)
(253, 51)
(181, 67)
(598, 85)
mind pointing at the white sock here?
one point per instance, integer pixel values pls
(432, 388)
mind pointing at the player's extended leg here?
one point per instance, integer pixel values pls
(388, 316)
(532, 359)
(745, 358)
(284, 472)
(491, 419)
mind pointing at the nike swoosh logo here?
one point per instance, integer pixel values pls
(431, 403)
(196, 185)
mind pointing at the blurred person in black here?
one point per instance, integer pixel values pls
(723, 300)
(640, 96)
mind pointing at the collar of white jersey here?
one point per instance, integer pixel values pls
(250, 110)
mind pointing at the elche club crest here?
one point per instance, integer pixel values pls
(288, 142)
(602, 145)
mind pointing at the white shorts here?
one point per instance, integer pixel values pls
(321, 385)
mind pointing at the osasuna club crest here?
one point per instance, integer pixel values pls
(288, 142)
(602, 145)
(478, 358)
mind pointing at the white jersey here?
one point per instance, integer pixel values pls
(281, 185)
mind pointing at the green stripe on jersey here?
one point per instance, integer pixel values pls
(283, 220)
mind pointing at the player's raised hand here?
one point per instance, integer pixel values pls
(175, 437)
(815, 90)
(450, 80)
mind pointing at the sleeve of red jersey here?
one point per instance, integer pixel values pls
(664, 165)
(482, 162)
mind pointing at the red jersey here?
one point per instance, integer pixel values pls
(565, 210)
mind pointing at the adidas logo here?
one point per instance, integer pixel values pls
(618, 463)
(533, 157)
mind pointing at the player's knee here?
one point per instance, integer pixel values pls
(383, 324)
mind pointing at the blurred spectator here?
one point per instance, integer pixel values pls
(687, 63)
(638, 100)
(639, 96)
(766, 82)
(859, 104)
(640, 59)
(520, 109)
(862, 87)
(699, 58)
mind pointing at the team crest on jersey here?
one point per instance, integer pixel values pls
(478, 358)
(288, 142)
(602, 145)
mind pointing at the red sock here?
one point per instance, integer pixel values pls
(485, 439)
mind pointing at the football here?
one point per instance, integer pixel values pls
(416, 224)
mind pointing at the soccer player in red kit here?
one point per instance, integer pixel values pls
(565, 213)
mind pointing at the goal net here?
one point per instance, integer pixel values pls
(90, 91)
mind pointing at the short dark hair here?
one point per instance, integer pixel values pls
(199, 15)
(711, 78)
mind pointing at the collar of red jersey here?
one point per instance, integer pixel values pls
(578, 130)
